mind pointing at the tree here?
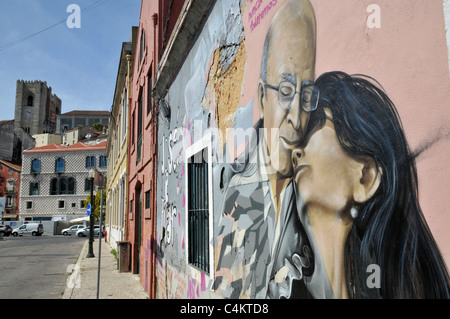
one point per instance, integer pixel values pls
(98, 126)
(96, 210)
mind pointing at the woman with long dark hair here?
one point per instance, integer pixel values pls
(358, 197)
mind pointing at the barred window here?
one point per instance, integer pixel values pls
(198, 212)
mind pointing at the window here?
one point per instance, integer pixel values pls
(82, 204)
(71, 186)
(90, 161)
(103, 161)
(61, 204)
(54, 186)
(142, 46)
(29, 205)
(139, 129)
(62, 186)
(124, 114)
(198, 212)
(74, 205)
(133, 117)
(30, 100)
(34, 189)
(59, 165)
(149, 92)
(87, 185)
(147, 199)
(9, 201)
(35, 166)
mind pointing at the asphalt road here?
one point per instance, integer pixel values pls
(37, 267)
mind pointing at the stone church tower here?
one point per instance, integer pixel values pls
(36, 107)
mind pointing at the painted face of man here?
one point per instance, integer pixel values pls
(290, 59)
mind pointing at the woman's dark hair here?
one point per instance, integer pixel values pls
(390, 229)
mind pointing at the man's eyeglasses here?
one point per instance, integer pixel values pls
(309, 95)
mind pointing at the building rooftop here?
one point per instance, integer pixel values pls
(71, 148)
(87, 113)
(11, 165)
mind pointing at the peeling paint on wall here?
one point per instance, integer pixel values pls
(227, 85)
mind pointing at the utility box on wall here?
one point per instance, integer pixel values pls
(123, 263)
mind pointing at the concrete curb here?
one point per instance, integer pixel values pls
(75, 276)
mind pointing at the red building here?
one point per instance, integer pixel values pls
(9, 189)
(157, 20)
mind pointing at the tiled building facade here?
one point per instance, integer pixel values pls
(55, 179)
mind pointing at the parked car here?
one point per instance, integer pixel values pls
(29, 229)
(5, 230)
(72, 230)
(85, 231)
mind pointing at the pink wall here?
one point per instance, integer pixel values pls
(408, 56)
(140, 173)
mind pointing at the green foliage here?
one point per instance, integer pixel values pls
(96, 204)
(114, 252)
(98, 126)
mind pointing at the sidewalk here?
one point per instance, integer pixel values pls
(82, 283)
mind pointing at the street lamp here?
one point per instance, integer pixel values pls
(91, 215)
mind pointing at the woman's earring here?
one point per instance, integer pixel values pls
(353, 212)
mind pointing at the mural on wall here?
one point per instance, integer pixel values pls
(315, 187)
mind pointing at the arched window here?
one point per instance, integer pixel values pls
(71, 186)
(59, 165)
(62, 186)
(30, 100)
(35, 166)
(54, 187)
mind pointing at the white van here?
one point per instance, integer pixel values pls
(28, 229)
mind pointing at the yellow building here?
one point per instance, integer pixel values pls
(117, 149)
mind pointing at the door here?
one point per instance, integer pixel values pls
(73, 230)
(22, 229)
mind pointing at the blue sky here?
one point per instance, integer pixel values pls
(80, 64)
